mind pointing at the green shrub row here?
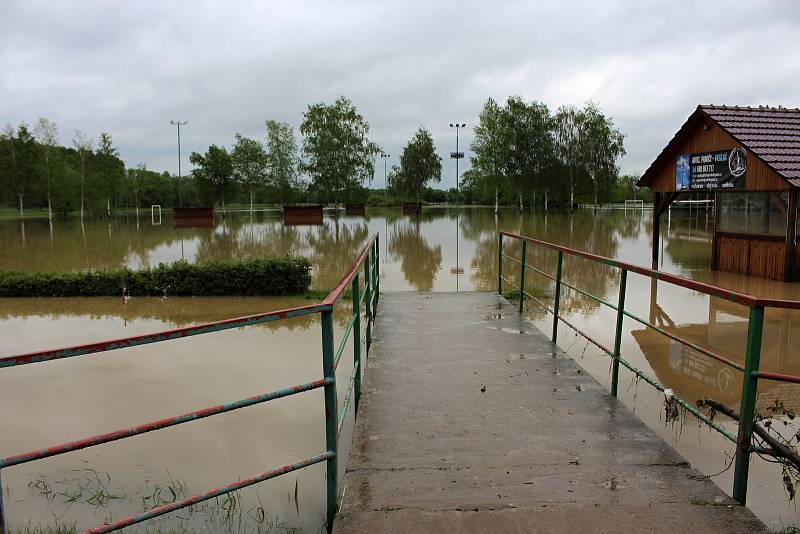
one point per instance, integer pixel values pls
(269, 276)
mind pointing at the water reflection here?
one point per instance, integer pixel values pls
(695, 376)
(418, 253)
(419, 261)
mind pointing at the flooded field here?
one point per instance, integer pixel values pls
(442, 250)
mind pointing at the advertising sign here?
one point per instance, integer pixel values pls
(709, 171)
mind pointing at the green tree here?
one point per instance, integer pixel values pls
(528, 128)
(135, 175)
(489, 147)
(419, 164)
(282, 160)
(111, 168)
(83, 145)
(214, 168)
(47, 133)
(568, 124)
(600, 144)
(21, 147)
(249, 164)
(9, 141)
(338, 155)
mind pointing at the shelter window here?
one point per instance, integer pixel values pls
(761, 213)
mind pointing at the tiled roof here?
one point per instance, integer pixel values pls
(771, 134)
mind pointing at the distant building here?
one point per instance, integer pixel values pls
(749, 159)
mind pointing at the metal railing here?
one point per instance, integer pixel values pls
(750, 369)
(369, 260)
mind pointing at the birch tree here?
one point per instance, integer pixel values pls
(338, 153)
(282, 160)
(600, 144)
(46, 132)
(489, 146)
(419, 164)
(249, 165)
(108, 157)
(568, 124)
(83, 145)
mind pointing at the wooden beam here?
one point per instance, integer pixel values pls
(656, 226)
(666, 200)
(790, 271)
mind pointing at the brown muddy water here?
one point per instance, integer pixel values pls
(443, 250)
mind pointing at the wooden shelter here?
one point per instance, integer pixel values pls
(749, 160)
(412, 208)
(355, 209)
(311, 214)
(193, 217)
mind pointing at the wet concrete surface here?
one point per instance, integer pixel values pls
(471, 420)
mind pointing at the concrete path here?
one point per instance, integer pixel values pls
(472, 421)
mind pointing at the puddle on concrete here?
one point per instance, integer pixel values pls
(613, 484)
(514, 331)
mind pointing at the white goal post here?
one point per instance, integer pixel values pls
(153, 214)
(634, 204)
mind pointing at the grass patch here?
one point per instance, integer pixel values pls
(538, 292)
(268, 276)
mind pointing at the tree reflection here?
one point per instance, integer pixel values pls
(419, 261)
(334, 247)
(596, 233)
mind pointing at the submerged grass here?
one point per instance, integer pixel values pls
(86, 489)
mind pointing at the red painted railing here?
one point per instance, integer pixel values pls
(750, 369)
(368, 259)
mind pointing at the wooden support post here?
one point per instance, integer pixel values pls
(656, 227)
(790, 269)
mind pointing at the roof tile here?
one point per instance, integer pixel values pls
(771, 134)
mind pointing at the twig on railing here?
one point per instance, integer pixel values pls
(777, 448)
(780, 447)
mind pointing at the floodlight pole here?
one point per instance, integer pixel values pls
(457, 156)
(180, 178)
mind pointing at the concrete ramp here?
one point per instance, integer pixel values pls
(471, 420)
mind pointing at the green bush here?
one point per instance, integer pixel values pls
(268, 276)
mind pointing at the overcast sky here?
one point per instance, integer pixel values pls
(129, 67)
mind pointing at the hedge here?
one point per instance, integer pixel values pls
(268, 276)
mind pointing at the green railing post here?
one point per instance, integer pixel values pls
(368, 302)
(557, 299)
(331, 415)
(500, 265)
(623, 282)
(374, 256)
(377, 268)
(747, 410)
(357, 338)
(522, 276)
(2, 515)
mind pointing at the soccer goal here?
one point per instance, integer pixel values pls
(634, 204)
(155, 220)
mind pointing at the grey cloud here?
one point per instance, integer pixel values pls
(130, 67)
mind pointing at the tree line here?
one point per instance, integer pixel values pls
(522, 153)
(526, 154)
(37, 171)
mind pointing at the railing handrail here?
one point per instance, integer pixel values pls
(702, 287)
(336, 292)
(192, 330)
(368, 258)
(750, 369)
